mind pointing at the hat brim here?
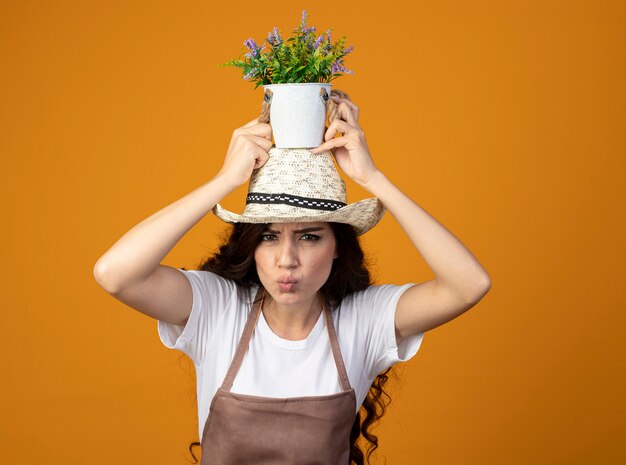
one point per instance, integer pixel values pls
(362, 215)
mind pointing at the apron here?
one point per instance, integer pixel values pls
(244, 429)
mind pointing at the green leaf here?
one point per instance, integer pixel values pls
(292, 61)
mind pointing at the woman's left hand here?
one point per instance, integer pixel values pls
(351, 150)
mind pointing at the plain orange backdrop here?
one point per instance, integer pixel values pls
(504, 120)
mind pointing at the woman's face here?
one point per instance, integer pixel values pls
(293, 260)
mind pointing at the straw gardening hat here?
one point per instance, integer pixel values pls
(296, 185)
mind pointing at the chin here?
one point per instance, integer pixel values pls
(286, 297)
(290, 297)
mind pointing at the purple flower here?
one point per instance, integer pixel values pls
(348, 50)
(318, 42)
(303, 20)
(274, 37)
(303, 28)
(250, 74)
(253, 47)
(328, 45)
(339, 68)
(251, 44)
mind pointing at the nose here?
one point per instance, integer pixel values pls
(287, 254)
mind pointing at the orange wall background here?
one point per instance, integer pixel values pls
(504, 120)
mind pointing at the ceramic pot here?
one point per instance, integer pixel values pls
(298, 114)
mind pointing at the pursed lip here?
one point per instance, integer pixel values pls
(287, 280)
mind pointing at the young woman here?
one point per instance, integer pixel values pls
(289, 337)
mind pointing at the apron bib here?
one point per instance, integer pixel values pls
(243, 429)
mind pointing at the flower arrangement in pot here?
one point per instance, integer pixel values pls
(296, 75)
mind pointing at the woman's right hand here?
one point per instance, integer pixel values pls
(247, 151)
(132, 264)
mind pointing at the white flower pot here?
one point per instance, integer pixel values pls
(298, 114)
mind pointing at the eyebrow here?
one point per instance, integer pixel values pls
(305, 230)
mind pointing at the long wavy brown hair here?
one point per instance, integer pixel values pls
(235, 261)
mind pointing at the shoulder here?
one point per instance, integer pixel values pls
(211, 287)
(208, 278)
(376, 294)
(372, 309)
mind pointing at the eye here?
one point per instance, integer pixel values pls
(312, 237)
(267, 237)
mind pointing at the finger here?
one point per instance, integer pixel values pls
(346, 113)
(262, 142)
(331, 144)
(260, 129)
(353, 106)
(261, 159)
(337, 126)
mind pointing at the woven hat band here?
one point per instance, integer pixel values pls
(295, 185)
(295, 200)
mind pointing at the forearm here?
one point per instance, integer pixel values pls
(138, 253)
(455, 268)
